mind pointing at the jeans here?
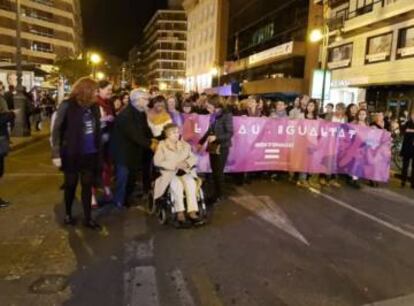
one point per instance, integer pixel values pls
(125, 184)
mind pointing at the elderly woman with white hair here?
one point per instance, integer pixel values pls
(177, 166)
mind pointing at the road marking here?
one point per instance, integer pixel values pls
(142, 285)
(389, 195)
(145, 249)
(268, 210)
(384, 223)
(206, 291)
(83, 242)
(407, 300)
(182, 288)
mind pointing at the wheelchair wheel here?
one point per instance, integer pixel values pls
(151, 206)
(163, 216)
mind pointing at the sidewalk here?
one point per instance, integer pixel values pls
(21, 142)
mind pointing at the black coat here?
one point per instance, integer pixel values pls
(67, 135)
(131, 136)
(407, 149)
(222, 128)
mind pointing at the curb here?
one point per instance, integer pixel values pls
(30, 141)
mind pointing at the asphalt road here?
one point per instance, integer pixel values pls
(270, 243)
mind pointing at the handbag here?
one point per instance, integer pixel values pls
(213, 148)
(4, 145)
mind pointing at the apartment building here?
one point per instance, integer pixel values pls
(162, 51)
(374, 58)
(50, 29)
(206, 41)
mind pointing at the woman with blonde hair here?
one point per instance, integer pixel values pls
(76, 146)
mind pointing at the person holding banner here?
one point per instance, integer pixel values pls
(218, 139)
(311, 113)
(361, 119)
(407, 150)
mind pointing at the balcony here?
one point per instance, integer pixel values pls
(373, 14)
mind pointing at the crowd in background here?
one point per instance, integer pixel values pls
(106, 141)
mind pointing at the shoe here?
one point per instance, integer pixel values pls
(193, 217)
(92, 224)
(335, 183)
(323, 182)
(3, 205)
(302, 184)
(4, 202)
(316, 185)
(180, 217)
(355, 184)
(69, 221)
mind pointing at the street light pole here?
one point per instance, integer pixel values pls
(21, 128)
(325, 58)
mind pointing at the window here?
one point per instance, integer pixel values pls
(379, 48)
(37, 14)
(41, 46)
(41, 31)
(405, 43)
(45, 2)
(340, 57)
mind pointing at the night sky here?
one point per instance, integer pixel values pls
(114, 26)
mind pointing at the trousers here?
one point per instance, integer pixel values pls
(178, 186)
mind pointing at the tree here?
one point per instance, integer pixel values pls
(72, 69)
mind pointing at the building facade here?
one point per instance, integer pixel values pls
(162, 51)
(206, 41)
(373, 61)
(51, 29)
(268, 50)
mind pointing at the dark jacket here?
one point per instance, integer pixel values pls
(222, 128)
(407, 149)
(68, 131)
(131, 136)
(5, 118)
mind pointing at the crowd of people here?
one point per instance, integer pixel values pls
(107, 141)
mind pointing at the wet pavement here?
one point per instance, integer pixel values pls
(270, 243)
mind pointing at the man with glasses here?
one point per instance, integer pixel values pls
(131, 138)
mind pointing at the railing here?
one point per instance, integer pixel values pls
(346, 14)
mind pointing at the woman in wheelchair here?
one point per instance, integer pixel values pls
(177, 164)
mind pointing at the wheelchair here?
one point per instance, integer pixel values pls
(163, 208)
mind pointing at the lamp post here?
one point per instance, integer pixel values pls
(21, 127)
(95, 59)
(215, 72)
(318, 35)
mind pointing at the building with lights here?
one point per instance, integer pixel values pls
(51, 29)
(268, 50)
(373, 61)
(161, 54)
(206, 41)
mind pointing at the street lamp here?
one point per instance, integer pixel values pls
(21, 128)
(100, 75)
(163, 86)
(95, 59)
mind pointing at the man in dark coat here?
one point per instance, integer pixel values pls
(131, 137)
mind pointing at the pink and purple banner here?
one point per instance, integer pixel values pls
(310, 146)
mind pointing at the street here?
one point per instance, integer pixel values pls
(270, 243)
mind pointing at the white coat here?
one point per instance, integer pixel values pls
(167, 159)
